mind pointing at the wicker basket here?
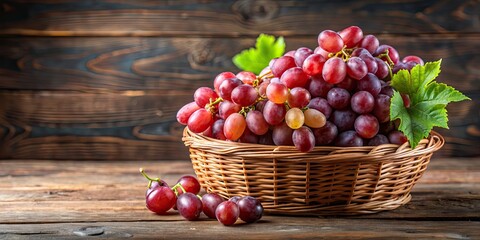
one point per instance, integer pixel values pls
(325, 181)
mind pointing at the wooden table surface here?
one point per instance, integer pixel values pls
(67, 199)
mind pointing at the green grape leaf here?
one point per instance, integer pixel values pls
(256, 59)
(428, 101)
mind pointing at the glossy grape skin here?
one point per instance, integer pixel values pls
(317, 87)
(274, 113)
(303, 139)
(251, 210)
(369, 60)
(330, 41)
(200, 120)
(382, 69)
(344, 119)
(277, 92)
(282, 135)
(301, 54)
(282, 64)
(244, 95)
(370, 83)
(326, 134)
(351, 36)
(356, 68)
(348, 139)
(298, 97)
(294, 118)
(321, 105)
(189, 206)
(210, 202)
(227, 213)
(217, 129)
(313, 64)
(387, 90)
(246, 77)
(392, 53)
(379, 139)
(338, 98)
(314, 118)
(160, 199)
(190, 184)
(413, 58)
(256, 122)
(290, 53)
(219, 79)
(260, 105)
(370, 43)
(154, 185)
(262, 88)
(204, 95)
(227, 86)
(185, 112)
(397, 137)
(334, 70)
(362, 102)
(382, 108)
(366, 126)
(226, 108)
(234, 126)
(294, 77)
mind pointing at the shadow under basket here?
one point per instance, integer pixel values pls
(326, 181)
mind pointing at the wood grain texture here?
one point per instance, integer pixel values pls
(53, 199)
(76, 191)
(267, 228)
(186, 63)
(233, 18)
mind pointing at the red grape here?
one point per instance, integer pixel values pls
(298, 97)
(200, 120)
(348, 139)
(227, 86)
(234, 126)
(160, 199)
(313, 64)
(338, 98)
(370, 43)
(256, 122)
(250, 208)
(204, 95)
(301, 54)
(277, 92)
(219, 79)
(274, 113)
(294, 77)
(318, 87)
(303, 139)
(282, 64)
(227, 213)
(397, 137)
(379, 139)
(185, 112)
(326, 134)
(351, 36)
(190, 184)
(356, 68)
(362, 102)
(282, 135)
(210, 202)
(189, 206)
(246, 77)
(334, 70)
(244, 95)
(330, 41)
(226, 108)
(366, 126)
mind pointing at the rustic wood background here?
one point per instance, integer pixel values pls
(104, 79)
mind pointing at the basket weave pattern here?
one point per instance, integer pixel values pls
(325, 181)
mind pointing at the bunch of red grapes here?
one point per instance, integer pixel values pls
(338, 94)
(184, 198)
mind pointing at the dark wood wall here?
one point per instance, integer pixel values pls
(104, 79)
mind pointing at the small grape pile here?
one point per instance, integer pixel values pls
(338, 94)
(183, 196)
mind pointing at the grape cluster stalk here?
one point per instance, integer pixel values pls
(337, 94)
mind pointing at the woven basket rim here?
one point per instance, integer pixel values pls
(384, 152)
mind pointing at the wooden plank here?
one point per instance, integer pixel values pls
(138, 124)
(267, 228)
(73, 191)
(186, 63)
(233, 18)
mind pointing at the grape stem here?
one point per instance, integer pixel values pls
(211, 106)
(142, 171)
(178, 185)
